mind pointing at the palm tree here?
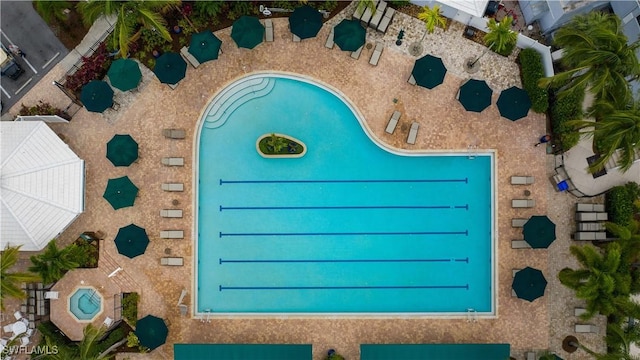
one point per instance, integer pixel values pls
(602, 282)
(500, 37)
(619, 339)
(432, 17)
(131, 16)
(53, 263)
(616, 129)
(11, 281)
(597, 56)
(87, 346)
(52, 9)
(366, 4)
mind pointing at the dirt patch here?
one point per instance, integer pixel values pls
(71, 31)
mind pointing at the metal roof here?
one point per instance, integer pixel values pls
(41, 184)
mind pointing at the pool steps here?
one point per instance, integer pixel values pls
(232, 98)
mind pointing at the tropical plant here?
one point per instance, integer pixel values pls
(53, 263)
(130, 308)
(277, 143)
(11, 282)
(500, 37)
(562, 111)
(130, 17)
(616, 129)
(603, 281)
(597, 57)
(620, 202)
(49, 10)
(619, 339)
(363, 5)
(208, 9)
(432, 17)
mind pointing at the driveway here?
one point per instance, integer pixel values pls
(21, 25)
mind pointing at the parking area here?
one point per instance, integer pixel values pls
(19, 22)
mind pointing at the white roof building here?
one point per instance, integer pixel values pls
(41, 185)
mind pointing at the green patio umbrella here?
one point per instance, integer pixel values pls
(539, 232)
(124, 74)
(120, 192)
(514, 103)
(205, 46)
(131, 241)
(151, 331)
(529, 284)
(170, 68)
(247, 32)
(349, 35)
(96, 96)
(429, 71)
(475, 95)
(122, 150)
(305, 22)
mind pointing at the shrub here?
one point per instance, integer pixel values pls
(330, 5)
(43, 108)
(532, 71)
(620, 203)
(130, 308)
(564, 109)
(399, 3)
(86, 254)
(115, 336)
(152, 40)
(239, 8)
(93, 67)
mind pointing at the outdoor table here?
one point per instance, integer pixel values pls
(18, 327)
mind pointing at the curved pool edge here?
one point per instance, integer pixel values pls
(470, 316)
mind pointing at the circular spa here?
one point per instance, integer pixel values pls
(350, 227)
(85, 304)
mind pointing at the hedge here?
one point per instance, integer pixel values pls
(620, 203)
(532, 71)
(564, 109)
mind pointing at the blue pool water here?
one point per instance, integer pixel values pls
(348, 228)
(85, 303)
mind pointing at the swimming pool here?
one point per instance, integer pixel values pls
(85, 303)
(350, 228)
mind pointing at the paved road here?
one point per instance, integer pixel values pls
(21, 25)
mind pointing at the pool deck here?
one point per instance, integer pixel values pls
(444, 124)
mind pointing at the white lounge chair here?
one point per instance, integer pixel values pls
(24, 341)
(51, 295)
(591, 226)
(579, 311)
(393, 122)
(377, 52)
(513, 274)
(173, 161)
(189, 57)
(530, 355)
(357, 14)
(268, 30)
(386, 19)
(590, 235)
(174, 133)
(586, 328)
(518, 222)
(413, 133)
(171, 213)
(173, 187)
(522, 180)
(411, 80)
(107, 322)
(172, 234)
(329, 43)
(520, 244)
(296, 38)
(602, 216)
(172, 261)
(17, 315)
(366, 17)
(7, 328)
(523, 203)
(375, 20)
(356, 54)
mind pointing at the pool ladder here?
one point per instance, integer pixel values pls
(207, 315)
(472, 316)
(93, 298)
(472, 151)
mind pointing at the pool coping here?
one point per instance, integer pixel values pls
(470, 315)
